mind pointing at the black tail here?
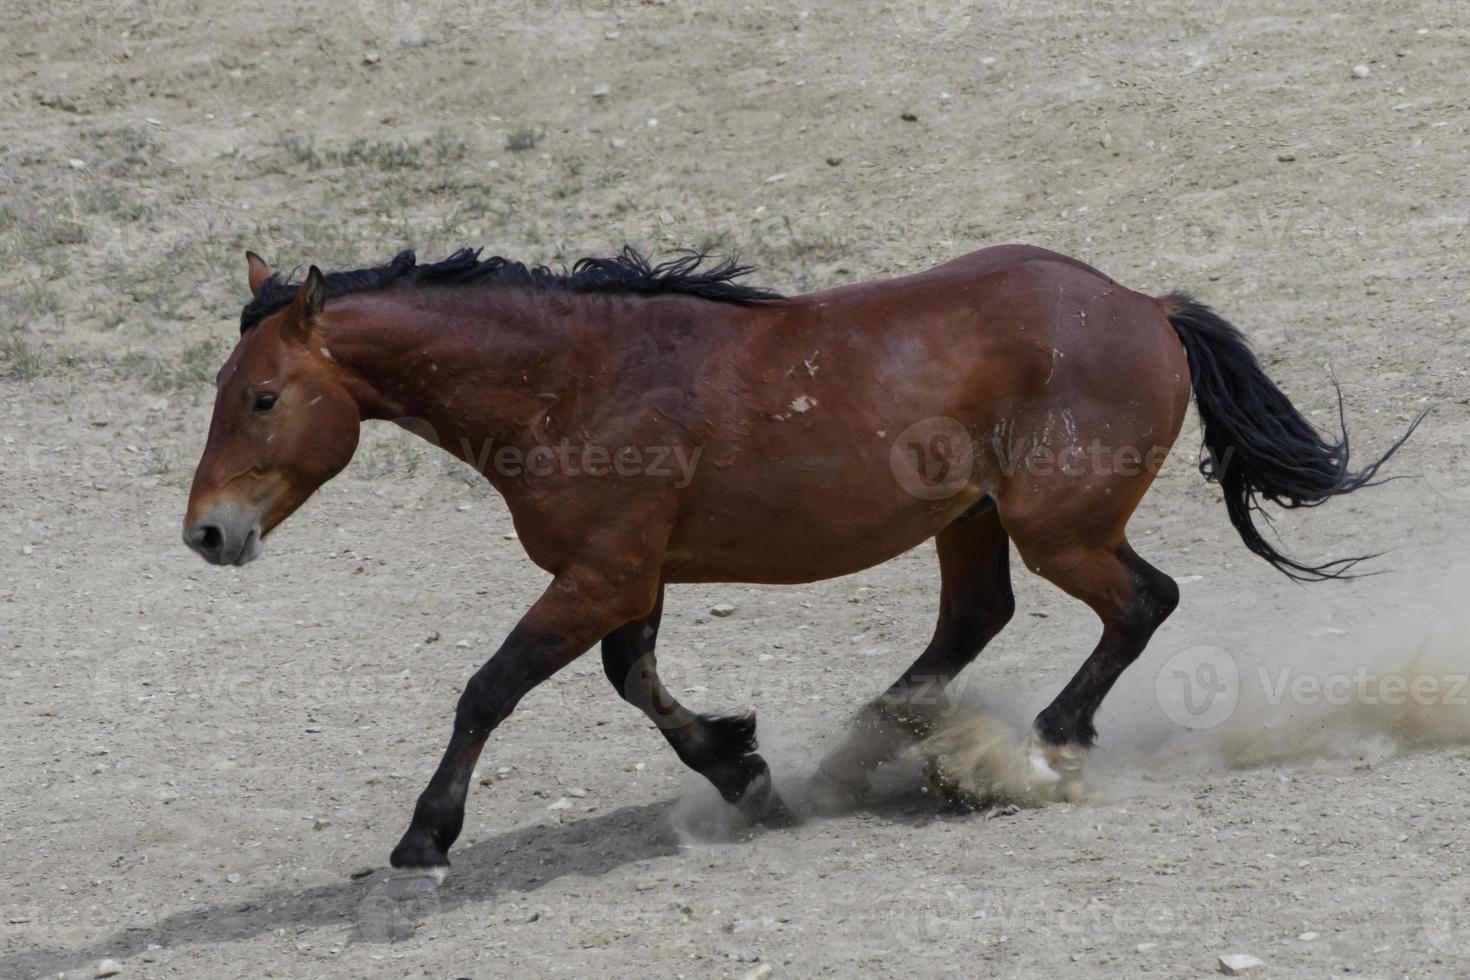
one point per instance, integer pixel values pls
(1257, 444)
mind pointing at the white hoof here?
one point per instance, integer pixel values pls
(1054, 772)
(406, 883)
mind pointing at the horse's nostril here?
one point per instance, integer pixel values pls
(207, 538)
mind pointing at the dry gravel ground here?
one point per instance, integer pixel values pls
(199, 762)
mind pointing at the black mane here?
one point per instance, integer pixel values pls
(628, 272)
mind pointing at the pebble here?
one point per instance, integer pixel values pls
(561, 804)
(1236, 964)
(909, 116)
(321, 823)
(462, 644)
(759, 973)
(834, 161)
(108, 968)
(576, 792)
(722, 609)
(601, 90)
(370, 57)
(1361, 71)
(1286, 156)
(1307, 937)
(76, 164)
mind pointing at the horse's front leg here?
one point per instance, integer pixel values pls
(578, 609)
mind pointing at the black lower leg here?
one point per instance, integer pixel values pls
(1129, 622)
(522, 662)
(720, 748)
(975, 604)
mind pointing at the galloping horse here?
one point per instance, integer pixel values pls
(1012, 395)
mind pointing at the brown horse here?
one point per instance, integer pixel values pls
(1011, 395)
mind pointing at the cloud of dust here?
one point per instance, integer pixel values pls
(1375, 670)
(1390, 675)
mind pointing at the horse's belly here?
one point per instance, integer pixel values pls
(793, 544)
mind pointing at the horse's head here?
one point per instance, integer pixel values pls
(285, 422)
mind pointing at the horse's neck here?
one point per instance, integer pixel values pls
(478, 362)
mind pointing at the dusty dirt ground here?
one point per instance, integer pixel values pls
(204, 769)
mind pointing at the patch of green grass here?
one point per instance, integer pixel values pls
(386, 156)
(522, 139)
(21, 362)
(302, 152)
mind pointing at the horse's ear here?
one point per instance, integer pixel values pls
(259, 272)
(312, 297)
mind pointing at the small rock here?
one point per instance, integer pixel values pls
(25, 549)
(601, 90)
(1236, 964)
(233, 878)
(1285, 156)
(759, 973)
(76, 164)
(611, 35)
(1307, 937)
(576, 792)
(1145, 947)
(108, 968)
(320, 823)
(561, 804)
(462, 644)
(834, 161)
(1361, 71)
(370, 57)
(909, 116)
(432, 637)
(722, 609)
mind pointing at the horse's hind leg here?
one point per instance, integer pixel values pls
(975, 603)
(1132, 598)
(720, 748)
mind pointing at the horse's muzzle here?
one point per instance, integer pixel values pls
(227, 534)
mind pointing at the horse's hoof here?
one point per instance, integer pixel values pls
(1054, 772)
(405, 884)
(755, 802)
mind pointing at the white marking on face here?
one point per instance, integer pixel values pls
(270, 438)
(811, 363)
(802, 403)
(314, 401)
(882, 433)
(326, 353)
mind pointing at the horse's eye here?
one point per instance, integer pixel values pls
(264, 402)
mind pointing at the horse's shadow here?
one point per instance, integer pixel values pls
(518, 861)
